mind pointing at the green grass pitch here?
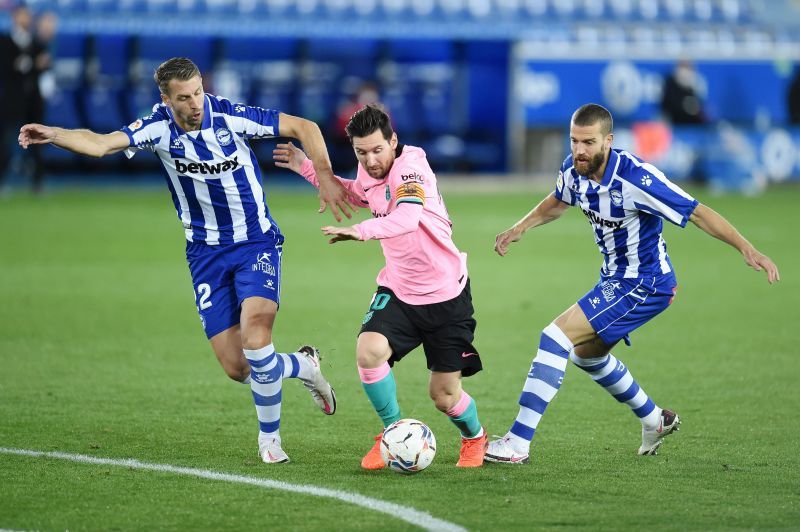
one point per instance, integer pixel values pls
(102, 354)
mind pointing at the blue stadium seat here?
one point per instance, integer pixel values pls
(139, 101)
(69, 61)
(153, 50)
(261, 71)
(62, 110)
(103, 109)
(256, 49)
(675, 10)
(102, 6)
(356, 57)
(565, 8)
(535, 9)
(113, 54)
(420, 76)
(621, 9)
(222, 7)
(332, 71)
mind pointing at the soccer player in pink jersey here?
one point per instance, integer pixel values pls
(423, 294)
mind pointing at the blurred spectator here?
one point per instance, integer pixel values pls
(793, 98)
(681, 101)
(23, 58)
(367, 93)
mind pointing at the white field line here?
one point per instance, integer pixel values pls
(404, 513)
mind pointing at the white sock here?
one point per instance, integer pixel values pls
(614, 376)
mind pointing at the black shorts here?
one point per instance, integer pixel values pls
(445, 330)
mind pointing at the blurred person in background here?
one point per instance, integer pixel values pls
(233, 245)
(366, 94)
(681, 99)
(793, 98)
(46, 27)
(23, 59)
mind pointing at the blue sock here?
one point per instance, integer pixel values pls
(266, 370)
(614, 376)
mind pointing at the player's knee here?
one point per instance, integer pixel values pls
(372, 350)
(444, 400)
(255, 333)
(236, 372)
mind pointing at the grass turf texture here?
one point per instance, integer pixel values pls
(102, 353)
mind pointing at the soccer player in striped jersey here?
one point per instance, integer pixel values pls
(625, 201)
(423, 294)
(233, 246)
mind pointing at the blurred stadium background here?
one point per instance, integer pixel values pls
(485, 86)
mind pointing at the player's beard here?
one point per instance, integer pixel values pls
(592, 165)
(377, 173)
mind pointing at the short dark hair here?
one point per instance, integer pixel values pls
(590, 114)
(368, 120)
(179, 68)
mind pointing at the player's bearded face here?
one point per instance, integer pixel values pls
(186, 99)
(589, 148)
(375, 154)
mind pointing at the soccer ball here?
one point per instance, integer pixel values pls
(408, 446)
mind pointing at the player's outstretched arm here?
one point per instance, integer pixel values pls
(293, 158)
(80, 141)
(340, 234)
(715, 225)
(546, 211)
(331, 192)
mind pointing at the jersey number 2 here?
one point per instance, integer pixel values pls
(204, 291)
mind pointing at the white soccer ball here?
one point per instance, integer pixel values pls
(408, 446)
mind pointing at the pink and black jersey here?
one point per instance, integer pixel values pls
(423, 265)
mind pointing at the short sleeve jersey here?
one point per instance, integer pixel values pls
(625, 211)
(212, 173)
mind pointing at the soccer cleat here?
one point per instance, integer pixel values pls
(668, 422)
(472, 451)
(373, 459)
(500, 451)
(271, 452)
(317, 385)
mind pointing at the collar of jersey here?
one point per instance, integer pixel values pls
(206, 118)
(611, 168)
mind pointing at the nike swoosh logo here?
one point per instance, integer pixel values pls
(465, 355)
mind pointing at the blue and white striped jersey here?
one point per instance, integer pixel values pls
(212, 173)
(625, 211)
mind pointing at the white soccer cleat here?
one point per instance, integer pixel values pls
(320, 389)
(271, 452)
(500, 451)
(668, 422)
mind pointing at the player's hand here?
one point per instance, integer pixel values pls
(340, 233)
(35, 134)
(289, 156)
(504, 239)
(758, 261)
(333, 193)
